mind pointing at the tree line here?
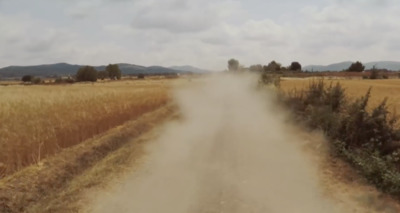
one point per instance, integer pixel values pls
(273, 66)
(85, 73)
(89, 73)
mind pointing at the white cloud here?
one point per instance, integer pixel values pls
(179, 15)
(198, 32)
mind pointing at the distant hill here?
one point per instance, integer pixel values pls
(332, 67)
(64, 69)
(39, 70)
(189, 69)
(390, 65)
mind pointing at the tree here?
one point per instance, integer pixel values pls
(256, 68)
(27, 78)
(273, 66)
(233, 65)
(356, 67)
(295, 66)
(113, 71)
(102, 75)
(86, 73)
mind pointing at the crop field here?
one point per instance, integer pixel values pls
(37, 121)
(79, 148)
(355, 88)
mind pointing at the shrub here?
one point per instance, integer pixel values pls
(140, 76)
(58, 80)
(268, 78)
(37, 80)
(70, 80)
(27, 78)
(319, 105)
(374, 74)
(366, 139)
(67, 80)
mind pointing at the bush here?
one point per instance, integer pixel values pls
(374, 74)
(62, 81)
(319, 105)
(366, 139)
(58, 80)
(268, 79)
(37, 80)
(140, 76)
(70, 80)
(27, 78)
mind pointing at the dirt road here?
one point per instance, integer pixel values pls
(233, 151)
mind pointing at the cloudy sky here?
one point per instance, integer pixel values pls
(203, 33)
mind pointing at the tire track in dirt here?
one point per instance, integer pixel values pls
(233, 151)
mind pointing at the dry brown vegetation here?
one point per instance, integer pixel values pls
(365, 135)
(58, 183)
(38, 121)
(389, 88)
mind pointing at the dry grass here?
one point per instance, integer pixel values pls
(389, 88)
(38, 121)
(58, 183)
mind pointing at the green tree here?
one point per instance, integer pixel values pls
(295, 66)
(273, 66)
(256, 68)
(113, 71)
(233, 65)
(102, 75)
(27, 78)
(356, 67)
(86, 73)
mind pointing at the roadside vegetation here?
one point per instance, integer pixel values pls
(367, 137)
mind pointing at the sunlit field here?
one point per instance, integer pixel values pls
(39, 120)
(355, 88)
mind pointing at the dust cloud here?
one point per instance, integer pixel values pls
(231, 152)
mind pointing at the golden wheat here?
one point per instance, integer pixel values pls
(38, 121)
(381, 89)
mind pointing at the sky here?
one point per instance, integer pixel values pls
(202, 33)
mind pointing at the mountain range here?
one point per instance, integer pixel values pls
(390, 65)
(64, 69)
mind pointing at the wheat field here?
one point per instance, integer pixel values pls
(355, 88)
(40, 120)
